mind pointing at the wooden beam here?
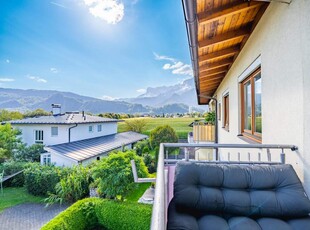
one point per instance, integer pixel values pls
(214, 65)
(225, 11)
(215, 81)
(228, 52)
(222, 69)
(232, 35)
(213, 78)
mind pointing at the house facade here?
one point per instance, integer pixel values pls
(256, 63)
(72, 138)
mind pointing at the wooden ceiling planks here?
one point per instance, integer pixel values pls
(223, 28)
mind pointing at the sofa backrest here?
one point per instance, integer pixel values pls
(251, 190)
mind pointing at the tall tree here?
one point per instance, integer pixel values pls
(9, 141)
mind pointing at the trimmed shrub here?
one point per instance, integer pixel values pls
(79, 216)
(116, 215)
(106, 214)
(11, 167)
(41, 179)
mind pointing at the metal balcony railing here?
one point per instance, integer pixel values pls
(159, 213)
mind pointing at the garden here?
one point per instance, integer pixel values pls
(111, 178)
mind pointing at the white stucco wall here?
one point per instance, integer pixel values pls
(282, 39)
(59, 160)
(80, 132)
(28, 134)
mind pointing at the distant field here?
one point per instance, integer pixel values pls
(180, 125)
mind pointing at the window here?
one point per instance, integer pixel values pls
(226, 112)
(38, 139)
(99, 128)
(47, 159)
(54, 131)
(90, 128)
(251, 106)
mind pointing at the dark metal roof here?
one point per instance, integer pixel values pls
(82, 150)
(63, 119)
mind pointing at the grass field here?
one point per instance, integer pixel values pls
(180, 125)
(14, 196)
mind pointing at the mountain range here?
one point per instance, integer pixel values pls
(156, 100)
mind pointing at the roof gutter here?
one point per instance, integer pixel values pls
(190, 16)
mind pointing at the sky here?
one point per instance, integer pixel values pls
(100, 48)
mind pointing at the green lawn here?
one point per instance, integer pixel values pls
(14, 196)
(135, 194)
(180, 125)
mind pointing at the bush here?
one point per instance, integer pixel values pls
(142, 147)
(210, 117)
(163, 134)
(114, 174)
(41, 179)
(135, 125)
(11, 167)
(79, 216)
(110, 215)
(113, 215)
(28, 153)
(72, 187)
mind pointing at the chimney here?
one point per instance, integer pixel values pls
(56, 109)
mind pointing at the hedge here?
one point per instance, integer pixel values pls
(108, 214)
(11, 167)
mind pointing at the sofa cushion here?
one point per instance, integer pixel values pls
(179, 220)
(247, 190)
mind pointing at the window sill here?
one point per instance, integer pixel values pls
(249, 140)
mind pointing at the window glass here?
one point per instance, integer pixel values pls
(226, 111)
(54, 131)
(248, 106)
(38, 136)
(90, 128)
(258, 104)
(99, 128)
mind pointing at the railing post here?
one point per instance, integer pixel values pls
(186, 154)
(282, 156)
(268, 155)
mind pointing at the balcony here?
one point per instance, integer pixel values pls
(230, 154)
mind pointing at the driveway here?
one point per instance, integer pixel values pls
(28, 216)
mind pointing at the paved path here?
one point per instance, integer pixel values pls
(28, 216)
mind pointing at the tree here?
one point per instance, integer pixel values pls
(114, 175)
(37, 113)
(163, 134)
(6, 115)
(28, 153)
(9, 141)
(210, 117)
(135, 125)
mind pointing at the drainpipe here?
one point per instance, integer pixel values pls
(216, 123)
(70, 131)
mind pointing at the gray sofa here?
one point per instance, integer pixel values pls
(228, 197)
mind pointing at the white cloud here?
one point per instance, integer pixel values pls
(111, 11)
(59, 5)
(37, 79)
(176, 66)
(6, 79)
(7, 61)
(108, 98)
(141, 91)
(53, 70)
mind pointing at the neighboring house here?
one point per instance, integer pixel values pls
(93, 136)
(254, 58)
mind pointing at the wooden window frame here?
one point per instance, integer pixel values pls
(226, 111)
(251, 134)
